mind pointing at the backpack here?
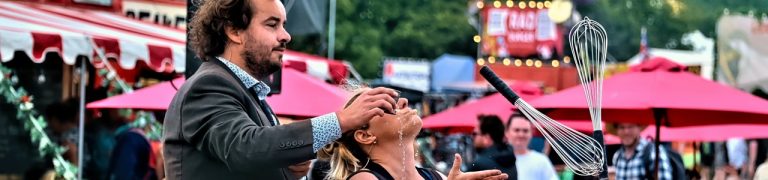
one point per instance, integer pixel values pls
(675, 162)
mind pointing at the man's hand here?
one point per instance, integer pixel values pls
(370, 103)
(456, 174)
(300, 170)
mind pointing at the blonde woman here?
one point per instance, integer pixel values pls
(383, 150)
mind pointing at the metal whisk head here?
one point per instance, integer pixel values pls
(580, 152)
(589, 44)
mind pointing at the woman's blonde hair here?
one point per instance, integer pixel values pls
(344, 154)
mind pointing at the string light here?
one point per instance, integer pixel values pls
(506, 61)
(510, 3)
(529, 62)
(480, 4)
(518, 62)
(555, 63)
(477, 38)
(567, 59)
(538, 63)
(496, 4)
(539, 5)
(547, 4)
(521, 4)
(532, 4)
(491, 60)
(480, 61)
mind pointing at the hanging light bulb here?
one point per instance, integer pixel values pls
(480, 61)
(532, 4)
(41, 78)
(480, 4)
(496, 4)
(529, 62)
(506, 61)
(538, 63)
(547, 4)
(510, 3)
(491, 60)
(539, 5)
(521, 4)
(477, 38)
(518, 62)
(555, 63)
(567, 59)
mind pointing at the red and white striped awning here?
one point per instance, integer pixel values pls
(37, 29)
(316, 66)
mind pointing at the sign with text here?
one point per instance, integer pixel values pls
(515, 32)
(166, 13)
(411, 74)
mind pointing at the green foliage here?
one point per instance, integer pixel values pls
(34, 123)
(369, 30)
(666, 24)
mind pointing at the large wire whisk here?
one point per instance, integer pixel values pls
(580, 152)
(589, 44)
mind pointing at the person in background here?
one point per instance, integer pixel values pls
(493, 152)
(738, 157)
(62, 120)
(762, 171)
(131, 154)
(530, 164)
(628, 160)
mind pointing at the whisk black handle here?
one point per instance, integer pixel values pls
(497, 83)
(598, 135)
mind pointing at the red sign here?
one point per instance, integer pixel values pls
(515, 32)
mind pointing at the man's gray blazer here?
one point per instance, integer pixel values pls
(215, 129)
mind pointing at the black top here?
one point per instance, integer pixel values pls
(382, 174)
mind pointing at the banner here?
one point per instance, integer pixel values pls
(515, 32)
(411, 74)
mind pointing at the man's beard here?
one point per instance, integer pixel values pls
(258, 59)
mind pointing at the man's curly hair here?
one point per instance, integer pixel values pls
(207, 29)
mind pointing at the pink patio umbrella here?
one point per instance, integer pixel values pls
(155, 97)
(301, 96)
(708, 133)
(464, 116)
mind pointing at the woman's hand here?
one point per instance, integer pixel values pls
(456, 174)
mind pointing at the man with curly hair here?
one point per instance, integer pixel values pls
(219, 125)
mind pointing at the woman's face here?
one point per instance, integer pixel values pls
(388, 128)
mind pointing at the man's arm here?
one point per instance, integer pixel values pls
(214, 121)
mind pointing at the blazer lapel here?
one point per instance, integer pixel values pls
(261, 116)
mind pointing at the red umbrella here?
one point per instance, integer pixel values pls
(156, 97)
(708, 133)
(301, 96)
(464, 116)
(680, 98)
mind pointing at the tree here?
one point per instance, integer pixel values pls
(369, 30)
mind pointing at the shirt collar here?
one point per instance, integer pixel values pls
(261, 88)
